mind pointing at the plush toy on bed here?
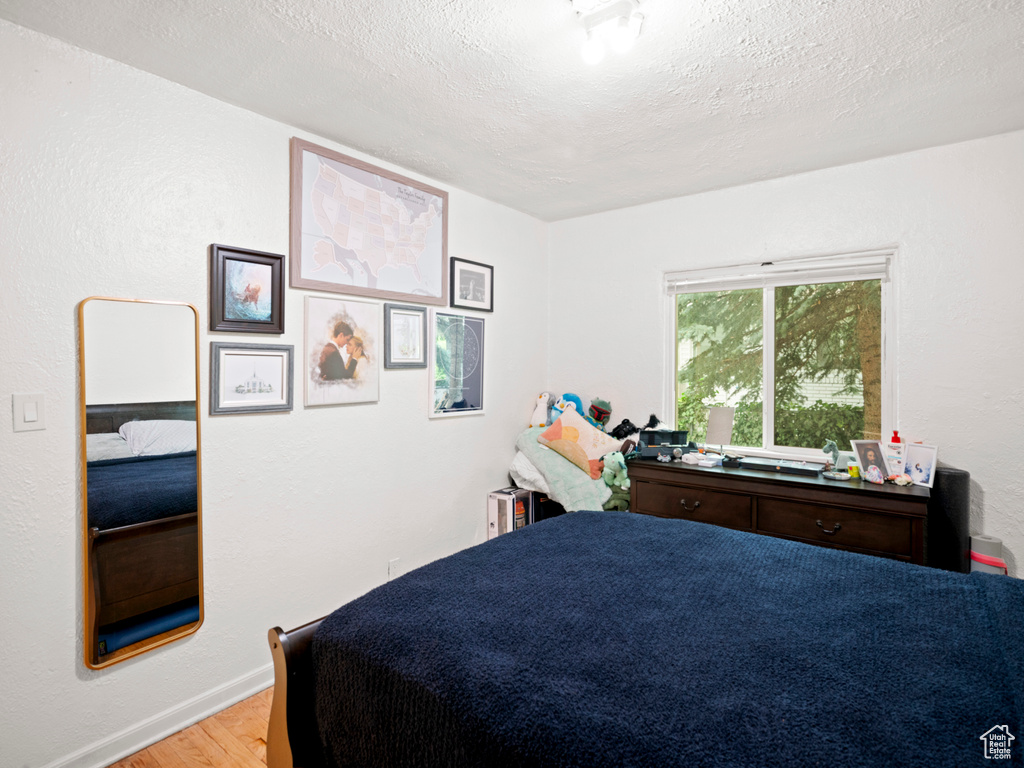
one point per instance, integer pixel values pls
(568, 400)
(540, 413)
(599, 413)
(614, 472)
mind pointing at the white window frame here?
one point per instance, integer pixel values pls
(879, 264)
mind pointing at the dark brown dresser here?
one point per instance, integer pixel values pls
(884, 520)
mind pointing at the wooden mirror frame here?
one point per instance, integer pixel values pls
(169, 528)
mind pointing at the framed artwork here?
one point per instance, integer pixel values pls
(361, 230)
(919, 462)
(456, 365)
(405, 336)
(472, 285)
(870, 453)
(246, 290)
(342, 355)
(250, 378)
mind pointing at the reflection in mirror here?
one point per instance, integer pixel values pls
(142, 542)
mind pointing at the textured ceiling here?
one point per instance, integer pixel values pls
(493, 97)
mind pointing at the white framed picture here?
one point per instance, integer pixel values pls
(342, 351)
(919, 462)
(456, 365)
(250, 378)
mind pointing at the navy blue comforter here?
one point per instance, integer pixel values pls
(141, 489)
(615, 639)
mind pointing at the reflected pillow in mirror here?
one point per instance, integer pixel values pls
(155, 438)
(106, 445)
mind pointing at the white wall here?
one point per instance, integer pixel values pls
(954, 212)
(115, 183)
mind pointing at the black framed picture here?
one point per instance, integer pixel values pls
(246, 290)
(472, 285)
(405, 336)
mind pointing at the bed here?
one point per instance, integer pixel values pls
(616, 639)
(142, 505)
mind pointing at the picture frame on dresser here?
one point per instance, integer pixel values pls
(920, 463)
(870, 453)
(246, 290)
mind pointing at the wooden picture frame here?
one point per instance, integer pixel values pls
(405, 336)
(456, 365)
(364, 231)
(251, 378)
(246, 290)
(472, 285)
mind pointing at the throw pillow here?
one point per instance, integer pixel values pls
(576, 439)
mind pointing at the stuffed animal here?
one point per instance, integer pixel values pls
(540, 413)
(654, 423)
(599, 413)
(624, 430)
(614, 472)
(568, 400)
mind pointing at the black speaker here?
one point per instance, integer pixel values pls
(543, 507)
(947, 528)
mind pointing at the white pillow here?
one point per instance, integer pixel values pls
(526, 474)
(106, 445)
(155, 438)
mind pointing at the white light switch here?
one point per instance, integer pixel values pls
(29, 412)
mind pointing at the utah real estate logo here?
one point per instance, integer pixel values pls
(997, 742)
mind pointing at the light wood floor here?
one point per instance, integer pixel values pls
(235, 737)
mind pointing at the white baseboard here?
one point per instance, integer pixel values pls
(111, 749)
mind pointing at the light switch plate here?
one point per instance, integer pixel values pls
(29, 412)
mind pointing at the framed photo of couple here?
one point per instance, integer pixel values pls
(342, 351)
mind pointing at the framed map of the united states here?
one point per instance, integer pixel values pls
(362, 230)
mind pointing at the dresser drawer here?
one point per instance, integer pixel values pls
(836, 526)
(698, 504)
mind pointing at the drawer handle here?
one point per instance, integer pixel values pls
(835, 528)
(696, 504)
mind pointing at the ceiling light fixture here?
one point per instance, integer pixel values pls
(611, 24)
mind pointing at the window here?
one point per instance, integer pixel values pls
(798, 347)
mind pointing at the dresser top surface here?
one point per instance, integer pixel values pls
(667, 470)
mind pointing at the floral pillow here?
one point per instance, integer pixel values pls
(576, 439)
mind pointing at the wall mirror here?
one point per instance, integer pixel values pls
(141, 516)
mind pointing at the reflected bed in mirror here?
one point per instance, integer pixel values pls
(142, 539)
